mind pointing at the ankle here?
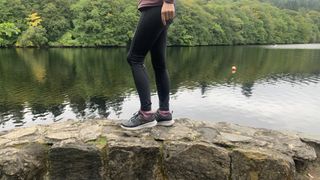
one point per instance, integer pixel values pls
(146, 113)
(164, 112)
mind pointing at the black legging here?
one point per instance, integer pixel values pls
(150, 35)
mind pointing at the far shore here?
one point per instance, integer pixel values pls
(111, 46)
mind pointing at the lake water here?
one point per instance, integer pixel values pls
(274, 87)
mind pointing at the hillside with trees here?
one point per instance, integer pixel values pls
(296, 4)
(94, 23)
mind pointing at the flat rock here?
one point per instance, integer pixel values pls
(20, 132)
(61, 135)
(3, 141)
(235, 137)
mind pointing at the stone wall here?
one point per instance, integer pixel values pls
(100, 149)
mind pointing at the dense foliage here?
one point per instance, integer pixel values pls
(198, 22)
(296, 4)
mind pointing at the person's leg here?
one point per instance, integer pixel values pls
(147, 32)
(158, 57)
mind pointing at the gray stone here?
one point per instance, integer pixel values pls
(233, 128)
(232, 135)
(310, 170)
(20, 132)
(235, 137)
(183, 130)
(261, 165)
(195, 161)
(284, 143)
(4, 141)
(74, 161)
(100, 149)
(89, 133)
(26, 162)
(62, 135)
(133, 161)
(309, 137)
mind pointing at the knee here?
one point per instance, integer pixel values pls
(134, 59)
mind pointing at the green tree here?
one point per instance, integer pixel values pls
(8, 31)
(101, 22)
(35, 35)
(198, 22)
(57, 18)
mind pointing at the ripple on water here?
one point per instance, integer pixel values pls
(292, 46)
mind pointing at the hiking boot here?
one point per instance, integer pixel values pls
(139, 121)
(164, 118)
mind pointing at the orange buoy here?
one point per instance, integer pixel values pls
(234, 69)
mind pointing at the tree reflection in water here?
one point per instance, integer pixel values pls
(92, 83)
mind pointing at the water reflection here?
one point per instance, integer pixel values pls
(49, 85)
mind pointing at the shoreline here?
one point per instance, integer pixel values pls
(114, 47)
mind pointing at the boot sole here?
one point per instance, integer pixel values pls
(166, 123)
(143, 126)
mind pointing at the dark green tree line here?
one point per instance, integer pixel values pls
(198, 22)
(296, 4)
